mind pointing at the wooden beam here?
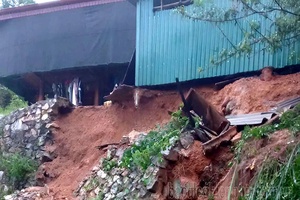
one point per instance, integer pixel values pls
(36, 82)
(96, 96)
(41, 91)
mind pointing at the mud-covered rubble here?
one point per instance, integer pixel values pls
(32, 193)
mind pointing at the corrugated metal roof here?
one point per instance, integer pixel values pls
(287, 104)
(250, 119)
(169, 46)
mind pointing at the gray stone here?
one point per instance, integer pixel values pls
(126, 180)
(186, 140)
(121, 195)
(151, 183)
(41, 140)
(109, 196)
(38, 126)
(95, 169)
(115, 178)
(170, 155)
(33, 132)
(133, 175)
(109, 181)
(25, 127)
(6, 127)
(142, 193)
(101, 174)
(111, 153)
(125, 173)
(38, 113)
(114, 188)
(1, 175)
(16, 126)
(106, 190)
(45, 117)
(97, 190)
(46, 106)
(29, 146)
(9, 197)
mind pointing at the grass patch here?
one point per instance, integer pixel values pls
(289, 120)
(17, 168)
(267, 183)
(277, 180)
(16, 102)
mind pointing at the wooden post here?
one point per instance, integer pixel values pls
(96, 96)
(41, 91)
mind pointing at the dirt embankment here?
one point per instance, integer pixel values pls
(85, 128)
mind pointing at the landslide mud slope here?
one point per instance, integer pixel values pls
(85, 128)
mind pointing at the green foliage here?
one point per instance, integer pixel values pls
(108, 164)
(100, 196)
(278, 180)
(275, 175)
(15, 3)
(92, 185)
(289, 120)
(143, 154)
(14, 103)
(17, 168)
(282, 29)
(5, 97)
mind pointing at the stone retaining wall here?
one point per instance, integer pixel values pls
(27, 130)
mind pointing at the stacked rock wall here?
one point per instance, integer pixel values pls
(26, 131)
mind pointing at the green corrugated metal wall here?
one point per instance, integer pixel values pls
(170, 46)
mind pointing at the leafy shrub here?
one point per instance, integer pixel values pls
(5, 97)
(278, 180)
(108, 164)
(143, 154)
(289, 120)
(17, 168)
(16, 103)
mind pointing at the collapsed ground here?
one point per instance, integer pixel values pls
(87, 127)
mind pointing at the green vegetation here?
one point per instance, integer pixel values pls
(289, 120)
(17, 168)
(15, 3)
(277, 179)
(9, 101)
(108, 164)
(100, 196)
(281, 30)
(143, 154)
(3, 193)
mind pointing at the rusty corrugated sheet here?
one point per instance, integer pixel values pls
(169, 46)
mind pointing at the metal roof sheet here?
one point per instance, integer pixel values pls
(250, 119)
(287, 104)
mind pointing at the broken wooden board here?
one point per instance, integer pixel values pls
(214, 143)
